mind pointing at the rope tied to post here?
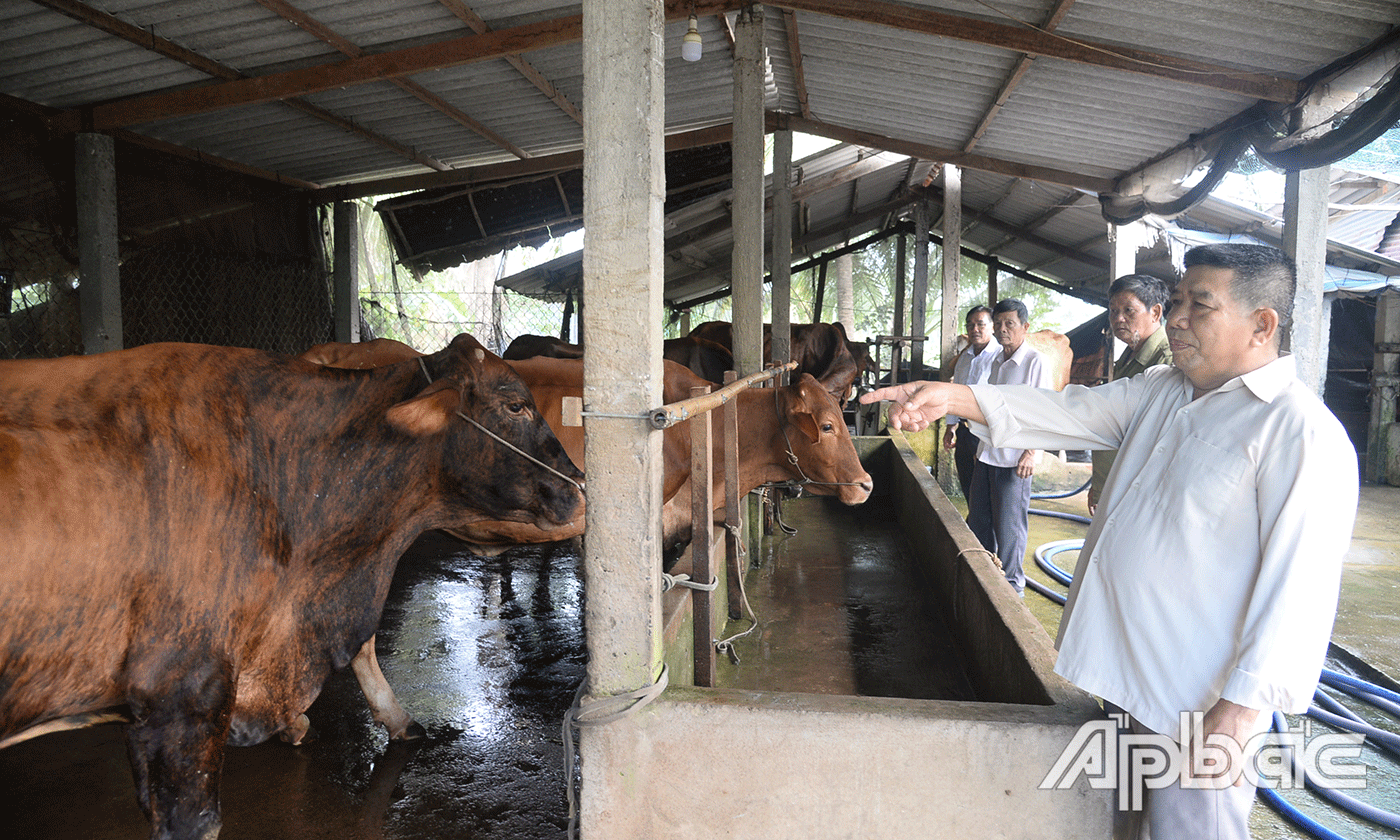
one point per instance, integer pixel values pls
(507, 444)
(599, 711)
(669, 582)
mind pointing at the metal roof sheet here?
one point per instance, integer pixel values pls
(878, 72)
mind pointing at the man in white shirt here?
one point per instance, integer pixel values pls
(1208, 581)
(973, 367)
(998, 505)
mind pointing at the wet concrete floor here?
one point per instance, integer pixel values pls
(486, 654)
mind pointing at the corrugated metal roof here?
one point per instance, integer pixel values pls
(876, 71)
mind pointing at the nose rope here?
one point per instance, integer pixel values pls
(792, 456)
(507, 444)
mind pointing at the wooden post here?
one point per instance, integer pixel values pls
(781, 250)
(345, 273)
(99, 286)
(702, 552)
(747, 180)
(733, 516)
(1381, 452)
(918, 305)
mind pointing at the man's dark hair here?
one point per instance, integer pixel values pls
(976, 309)
(1264, 277)
(1152, 291)
(1012, 305)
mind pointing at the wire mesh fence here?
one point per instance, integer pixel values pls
(428, 319)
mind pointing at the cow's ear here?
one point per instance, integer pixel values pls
(799, 413)
(428, 413)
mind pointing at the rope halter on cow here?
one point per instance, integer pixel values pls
(507, 444)
(792, 457)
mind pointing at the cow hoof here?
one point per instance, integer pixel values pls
(299, 732)
(413, 732)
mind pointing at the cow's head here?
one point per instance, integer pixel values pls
(816, 432)
(482, 476)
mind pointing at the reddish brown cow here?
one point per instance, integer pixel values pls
(196, 536)
(821, 350)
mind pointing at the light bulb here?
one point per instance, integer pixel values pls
(691, 45)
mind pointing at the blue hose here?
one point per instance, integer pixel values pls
(1381, 738)
(1354, 687)
(1336, 797)
(1286, 810)
(1081, 489)
(1044, 552)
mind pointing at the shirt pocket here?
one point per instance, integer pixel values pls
(1207, 484)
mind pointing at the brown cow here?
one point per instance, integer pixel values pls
(529, 346)
(800, 421)
(705, 358)
(196, 536)
(821, 350)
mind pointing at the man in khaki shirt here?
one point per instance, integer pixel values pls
(1136, 306)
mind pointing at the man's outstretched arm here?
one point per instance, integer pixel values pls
(916, 405)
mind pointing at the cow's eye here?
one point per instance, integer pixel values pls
(517, 407)
(828, 428)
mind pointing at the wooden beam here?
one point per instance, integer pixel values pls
(352, 71)
(470, 175)
(799, 79)
(1032, 42)
(1023, 64)
(926, 152)
(525, 68)
(315, 27)
(63, 122)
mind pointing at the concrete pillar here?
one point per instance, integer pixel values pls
(345, 271)
(747, 210)
(952, 258)
(624, 191)
(992, 270)
(1382, 447)
(918, 304)
(99, 286)
(781, 259)
(1305, 240)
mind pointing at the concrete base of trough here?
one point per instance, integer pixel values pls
(708, 763)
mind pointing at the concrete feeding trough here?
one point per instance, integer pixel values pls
(718, 762)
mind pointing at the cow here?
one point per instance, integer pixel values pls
(529, 346)
(821, 350)
(792, 433)
(196, 536)
(706, 358)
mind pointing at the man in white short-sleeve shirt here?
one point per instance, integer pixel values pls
(1208, 581)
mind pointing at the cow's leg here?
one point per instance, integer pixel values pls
(380, 697)
(176, 747)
